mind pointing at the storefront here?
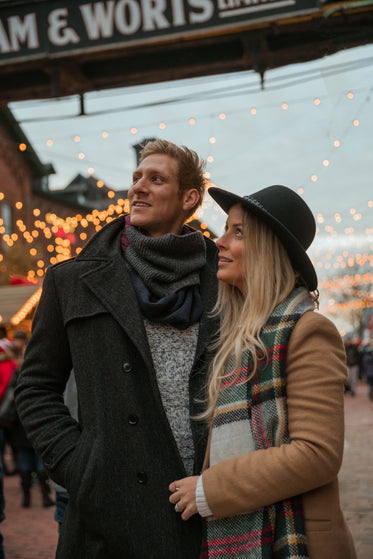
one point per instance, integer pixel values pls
(17, 307)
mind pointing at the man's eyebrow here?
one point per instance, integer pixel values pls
(152, 172)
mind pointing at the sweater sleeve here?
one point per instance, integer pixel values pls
(202, 506)
(315, 373)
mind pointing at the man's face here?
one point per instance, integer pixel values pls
(155, 202)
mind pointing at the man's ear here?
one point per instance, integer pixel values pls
(190, 199)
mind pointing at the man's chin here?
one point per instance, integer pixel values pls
(137, 221)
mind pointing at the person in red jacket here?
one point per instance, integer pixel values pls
(8, 365)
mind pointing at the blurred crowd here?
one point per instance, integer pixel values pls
(25, 462)
(359, 358)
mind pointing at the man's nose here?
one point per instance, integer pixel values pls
(137, 187)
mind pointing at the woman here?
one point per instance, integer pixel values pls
(269, 485)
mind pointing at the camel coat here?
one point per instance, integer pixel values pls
(309, 465)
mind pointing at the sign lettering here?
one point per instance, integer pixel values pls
(57, 26)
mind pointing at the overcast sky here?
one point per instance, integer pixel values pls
(310, 128)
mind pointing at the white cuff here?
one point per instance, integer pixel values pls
(202, 506)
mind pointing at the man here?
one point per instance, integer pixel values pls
(130, 315)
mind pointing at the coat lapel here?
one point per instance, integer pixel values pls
(109, 281)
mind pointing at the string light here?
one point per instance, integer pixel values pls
(100, 218)
(26, 308)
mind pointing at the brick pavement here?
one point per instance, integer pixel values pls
(32, 533)
(28, 533)
(356, 475)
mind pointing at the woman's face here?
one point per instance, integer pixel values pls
(231, 245)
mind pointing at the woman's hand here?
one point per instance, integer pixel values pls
(184, 495)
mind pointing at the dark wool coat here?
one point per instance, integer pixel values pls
(118, 461)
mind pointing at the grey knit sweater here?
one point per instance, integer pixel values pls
(173, 354)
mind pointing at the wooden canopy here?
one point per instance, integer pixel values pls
(17, 302)
(64, 47)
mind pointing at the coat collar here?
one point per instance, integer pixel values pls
(108, 279)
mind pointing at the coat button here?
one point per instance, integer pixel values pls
(142, 478)
(133, 419)
(127, 367)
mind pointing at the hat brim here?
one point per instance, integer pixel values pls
(298, 256)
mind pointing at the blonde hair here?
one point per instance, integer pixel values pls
(190, 167)
(269, 279)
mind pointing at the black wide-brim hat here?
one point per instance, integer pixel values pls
(289, 217)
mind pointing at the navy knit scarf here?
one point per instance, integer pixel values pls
(164, 272)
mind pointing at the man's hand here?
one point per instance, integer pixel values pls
(184, 495)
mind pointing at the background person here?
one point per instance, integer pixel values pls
(367, 366)
(269, 486)
(353, 356)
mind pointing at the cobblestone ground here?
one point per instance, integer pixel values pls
(356, 476)
(28, 533)
(32, 533)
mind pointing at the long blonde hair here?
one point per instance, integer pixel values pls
(269, 279)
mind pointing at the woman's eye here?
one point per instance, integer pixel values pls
(239, 232)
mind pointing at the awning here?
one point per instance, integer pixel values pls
(17, 301)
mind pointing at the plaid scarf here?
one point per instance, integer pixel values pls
(252, 415)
